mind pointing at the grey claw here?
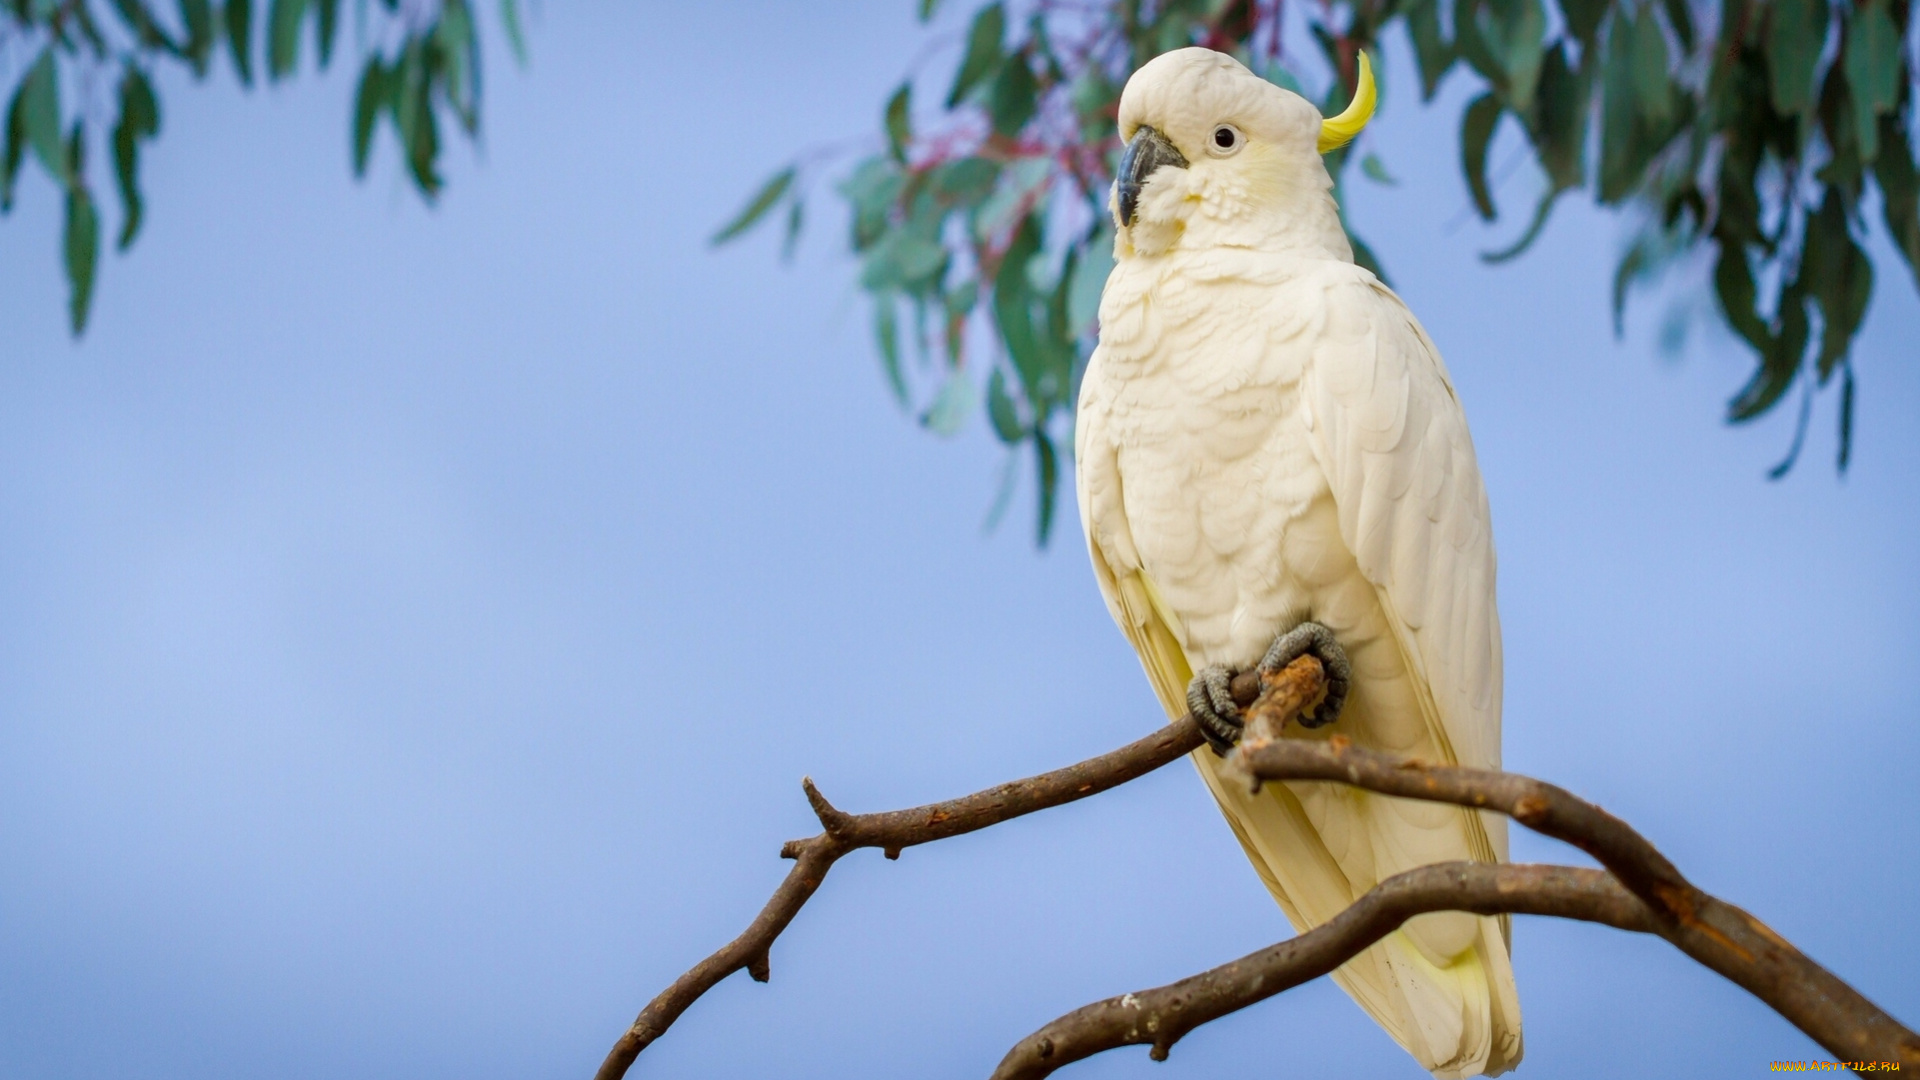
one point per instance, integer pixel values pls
(1212, 703)
(1311, 637)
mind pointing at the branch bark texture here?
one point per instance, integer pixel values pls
(1160, 1017)
(1715, 933)
(896, 830)
(1640, 890)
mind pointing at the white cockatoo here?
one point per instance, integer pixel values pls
(1267, 440)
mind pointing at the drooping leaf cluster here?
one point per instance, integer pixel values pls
(418, 61)
(1750, 133)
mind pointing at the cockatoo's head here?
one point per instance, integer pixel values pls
(1215, 150)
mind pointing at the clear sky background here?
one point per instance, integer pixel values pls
(414, 622)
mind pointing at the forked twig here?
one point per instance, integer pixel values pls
(895, 830)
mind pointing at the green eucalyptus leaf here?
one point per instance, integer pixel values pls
(763, 200)
(459, 49)
(886, 333)
(1472, 44)
(796, 219)
(326, 28)
(373, 95)
(1681, 20)
(1013, 303)
(1501, 39)
(1013, 96)
(1558, 123)
(1898, 177)
(1799, 434)
(139, 120)
(38, 102)
(405, 86)
(1585, 16)
(14, 150)
(1623, 149)
(80, 247)
(1734, 287)
(1057, 342)
(1002, 411)
(1632, 265)
(1796, 36)
(1048, 465)
(983, 51)
(1517, 29)
(1779, 363)
(960, 301)
(283, 36)
(419, 129)
(146, 29)
(899, 122)
(1376, 170)
(1652, 86)
(1541, 211)
(1872, 64)
(1842, 281)
(516, 38)
(1476, 135)
(1175, 28)
(872, 189)
(902, 260)
(952, 406)
(238, 23)
(1846, 416)
(928, 8)
(964, 181)
(1018, 193)
(1095, 98)
(1432, 52)
(197, 17)
(1089, 280)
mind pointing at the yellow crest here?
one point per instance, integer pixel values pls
(1338, 131)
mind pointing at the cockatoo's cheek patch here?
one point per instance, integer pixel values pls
(1167, 200)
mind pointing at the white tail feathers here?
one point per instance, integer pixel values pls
(1459, 1018)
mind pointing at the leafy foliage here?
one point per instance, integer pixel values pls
(419, 61)
(1749, 133)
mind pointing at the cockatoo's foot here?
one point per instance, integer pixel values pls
(1311, 637)
(1213, 708)
(1210, 696)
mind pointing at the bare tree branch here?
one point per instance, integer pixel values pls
(1643, 892)
(1300, 683)
(1160, 1017)
(1639, 891)
(1717, 934)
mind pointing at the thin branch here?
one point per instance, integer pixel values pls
(1301, 682)
(1717, 934)
(1160, 1017)
(1640, 891)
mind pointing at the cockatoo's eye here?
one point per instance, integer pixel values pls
(1225, 141)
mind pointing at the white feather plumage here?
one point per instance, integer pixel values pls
(1266, 435)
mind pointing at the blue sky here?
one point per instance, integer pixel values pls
(414, 622)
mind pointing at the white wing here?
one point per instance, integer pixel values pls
(1388, 431)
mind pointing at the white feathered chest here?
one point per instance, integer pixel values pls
(1197, 386)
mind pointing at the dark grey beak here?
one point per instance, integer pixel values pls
(1148, 151)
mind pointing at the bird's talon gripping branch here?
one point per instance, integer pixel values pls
(1311, 638)
(1210, 697)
